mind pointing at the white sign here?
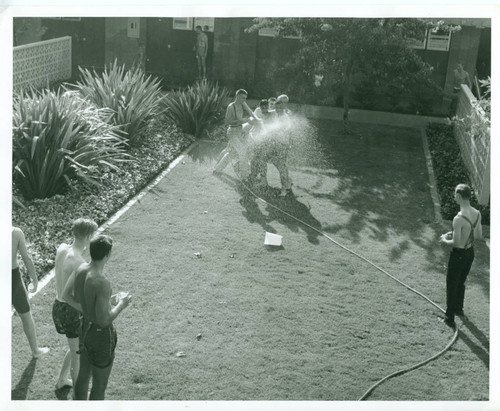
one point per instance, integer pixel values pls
(182, 23)
(206, 23)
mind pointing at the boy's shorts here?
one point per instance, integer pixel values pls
(66, 319)
(99, 343)
(19, 295)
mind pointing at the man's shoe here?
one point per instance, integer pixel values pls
(450, 323)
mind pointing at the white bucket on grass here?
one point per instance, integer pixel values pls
(273, 239)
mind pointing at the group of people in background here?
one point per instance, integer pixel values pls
(83, 310)
(257, 138)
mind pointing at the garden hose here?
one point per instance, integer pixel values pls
(404, 370)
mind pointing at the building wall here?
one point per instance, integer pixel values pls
(169, 52)
(119, 43)
(234, 55)
(464, 48)
(87, 39)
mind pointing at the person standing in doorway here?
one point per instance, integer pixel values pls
(90, 288)
(19, 294)
(466, 228)
(67, 318)
(201, 49)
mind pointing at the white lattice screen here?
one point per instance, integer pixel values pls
(41, 63)
(475, 149)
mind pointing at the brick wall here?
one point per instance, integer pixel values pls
(475, 149)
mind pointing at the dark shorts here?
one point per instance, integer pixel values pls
(99, 344)
(66, 319)
(19, 294)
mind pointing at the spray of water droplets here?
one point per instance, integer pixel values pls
(297, 133)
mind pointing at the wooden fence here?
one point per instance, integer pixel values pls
(39, 64)
(475, 148)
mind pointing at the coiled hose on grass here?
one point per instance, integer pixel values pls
(406, 369)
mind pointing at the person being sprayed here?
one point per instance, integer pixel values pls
(274, 147)
(239, 120)
(258, 163)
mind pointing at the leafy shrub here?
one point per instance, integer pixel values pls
(58, 136)
(450, 170)
(133, 97)
(47, 222)
(197, 108)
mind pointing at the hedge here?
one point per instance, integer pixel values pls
(450, 170)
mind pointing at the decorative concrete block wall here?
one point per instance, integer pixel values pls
(39, 64)
(475, 149)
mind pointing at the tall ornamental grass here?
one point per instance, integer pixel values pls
(197, 108)
(133, 97)
(58, 137)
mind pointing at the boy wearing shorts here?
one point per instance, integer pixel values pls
(66, 317)
(89, 287)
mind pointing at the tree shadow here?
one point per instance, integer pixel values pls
(277, 209)
(20, 392)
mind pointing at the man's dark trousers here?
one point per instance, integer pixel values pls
(459, 266)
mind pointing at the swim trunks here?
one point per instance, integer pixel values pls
(19, 295)
(99, 343)
(66, 319)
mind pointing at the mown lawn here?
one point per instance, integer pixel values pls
(306, 321)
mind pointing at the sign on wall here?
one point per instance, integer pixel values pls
(182, 23)
(133, 27)
(438, 41)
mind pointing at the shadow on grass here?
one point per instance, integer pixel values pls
(378, 175)
(476, 332)
(20, 392)
(479, 351)
(289, 204)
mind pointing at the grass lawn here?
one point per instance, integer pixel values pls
(306, 321)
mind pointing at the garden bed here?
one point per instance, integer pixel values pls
(47, 223)
(450, 170)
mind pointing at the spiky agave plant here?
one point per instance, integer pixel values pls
(58, 137)
(133, 97)
(198, 107)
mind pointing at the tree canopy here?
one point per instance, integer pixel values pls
(374, 53)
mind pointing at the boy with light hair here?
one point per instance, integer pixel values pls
(66, 317)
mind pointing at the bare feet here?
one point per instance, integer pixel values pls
(40, 351)
(64, 383)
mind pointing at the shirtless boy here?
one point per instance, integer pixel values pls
(19, 295)
(90, 288)
(67, 318)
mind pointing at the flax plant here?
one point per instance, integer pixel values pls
(198, 107)
(59, 137)
(133, 97)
